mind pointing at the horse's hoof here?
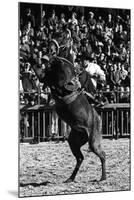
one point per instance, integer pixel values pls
(69, 180)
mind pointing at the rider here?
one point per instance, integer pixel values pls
(96, 75)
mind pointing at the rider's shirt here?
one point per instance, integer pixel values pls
(95, 72)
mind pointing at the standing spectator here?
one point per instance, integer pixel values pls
(91, 21)
(44, 22)
(100, 22)
(30, 17)
(116, 74)
(110, 22)
(127, 24)
(73, 19)
(123, 75)
(82, 22)
(62, 20)
(52, 23)
(119, 36)
(111, 75)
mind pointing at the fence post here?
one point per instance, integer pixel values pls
(38, 127)
(33, 125)
(44, 125)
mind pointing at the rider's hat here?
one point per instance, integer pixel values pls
(56, 44)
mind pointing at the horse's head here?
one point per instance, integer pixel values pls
(60, 72)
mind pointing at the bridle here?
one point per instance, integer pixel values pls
(72, 86)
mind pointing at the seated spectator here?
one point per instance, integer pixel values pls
(109, 50)
(107, 93)
(85, 48)
(98, 49)
(41, 34)
(101, 60)
(126, 96)
(84, 32)
(121, 53)
(28, 30)
(37, 46)
(24, 48)
(98, 32)
(107, 34)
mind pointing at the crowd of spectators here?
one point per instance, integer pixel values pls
(106, 41)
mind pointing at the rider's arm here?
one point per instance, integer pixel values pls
(100, 73)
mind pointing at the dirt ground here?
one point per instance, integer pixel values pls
(45, 166)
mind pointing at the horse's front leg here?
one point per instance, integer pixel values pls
(75, 147)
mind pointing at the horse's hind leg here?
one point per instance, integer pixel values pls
(96, 148)
(76, 140)
(95, 145)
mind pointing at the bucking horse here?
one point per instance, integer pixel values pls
(74, 108)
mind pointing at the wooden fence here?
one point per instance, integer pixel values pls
(41, 123)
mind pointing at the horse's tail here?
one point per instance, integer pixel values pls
(96, 129)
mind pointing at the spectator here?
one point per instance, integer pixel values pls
(62, 20)
(119, 36)
(116, 74)
(82, 22)
(28, 30)
(123, 75)
(41, 34)
(100, 22)
(85, 48)
(24, 48)
(44, 22)
(104, 42)
(52, 23)
(109, 50)
(84, 32)
(110, 22)
(30, 17)
(73, 19)
(91, 21)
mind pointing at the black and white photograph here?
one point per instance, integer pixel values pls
(74, 99)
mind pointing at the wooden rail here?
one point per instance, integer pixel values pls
(41, 123)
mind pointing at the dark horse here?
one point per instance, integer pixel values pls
(74, 108)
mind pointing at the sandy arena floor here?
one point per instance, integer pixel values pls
(45, 166)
